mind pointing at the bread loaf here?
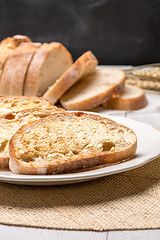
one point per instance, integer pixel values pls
(15, 69)
(7, 46)
(63, 142)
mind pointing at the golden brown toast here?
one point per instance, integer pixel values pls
(11, 122)
(67, 141)
(17, 103)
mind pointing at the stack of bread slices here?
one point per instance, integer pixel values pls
(37, 137)
(47, 70)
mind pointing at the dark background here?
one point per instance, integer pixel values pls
(117, 31)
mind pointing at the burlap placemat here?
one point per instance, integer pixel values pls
(129, 200)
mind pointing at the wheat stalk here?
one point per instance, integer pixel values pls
(143, 72)
(144, 76)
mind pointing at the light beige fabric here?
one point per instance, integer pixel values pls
(129, 200)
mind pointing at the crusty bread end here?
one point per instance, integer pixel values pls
(130, 99)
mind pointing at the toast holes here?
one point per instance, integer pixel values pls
(36, 154)
(28, 159)
(13, 104)
(112, 128)
(3, 145)
(79, 114)
(37, 101)
(107, 146)
(43, 115)
(36, 148)
(120, 131)
(10, 116)
(48, 130)
(75, 152)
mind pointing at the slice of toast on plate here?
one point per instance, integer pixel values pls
(11, 122)
(67, 141)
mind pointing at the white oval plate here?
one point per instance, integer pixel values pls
(148, 149)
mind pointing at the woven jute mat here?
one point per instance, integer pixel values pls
(129, 200)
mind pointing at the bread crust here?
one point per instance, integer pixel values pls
(20, 115)
(7, 46)
(97, 98)
(15, 69)
(129, 103)
(35, 71)
(18, 39)
(80, 161)
(82, 67)
(4, 161)
(31, 80)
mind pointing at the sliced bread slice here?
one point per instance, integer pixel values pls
(7, 46)
(83, 66)
(131, 98)
(15, 103)
(11, 122)
(68, 141)
(48, 64)
(15, 69)
(94, 89)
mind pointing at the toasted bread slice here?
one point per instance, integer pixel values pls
(94, 89)
(82, 67)
(15, 69)
(69, 141)
(11, 122)
(131, 98)
(7, 46)
(48, 64)
(15, 103)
